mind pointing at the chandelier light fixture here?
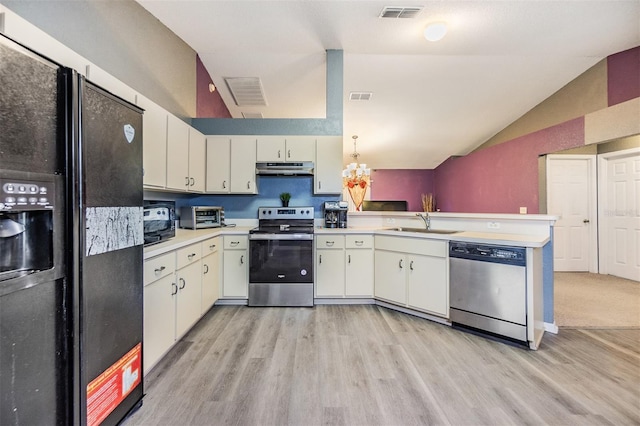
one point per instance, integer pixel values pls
(356, 177)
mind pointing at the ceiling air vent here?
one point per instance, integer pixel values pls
(360, 96)
(401, 12)
(246, 91)
(252, 115)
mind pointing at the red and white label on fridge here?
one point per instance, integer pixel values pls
(106, 391)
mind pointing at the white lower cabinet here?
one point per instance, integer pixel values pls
(189, 297)
(413, 272)
(210, 273)
(235, 269)
(344, 266)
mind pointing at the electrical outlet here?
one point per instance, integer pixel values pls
(493, 225)
(523, 210)
(391, 220)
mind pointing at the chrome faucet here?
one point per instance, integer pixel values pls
(426, 218)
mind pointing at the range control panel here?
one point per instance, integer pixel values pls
(21, 195)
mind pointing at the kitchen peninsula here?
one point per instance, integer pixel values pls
(223, 254)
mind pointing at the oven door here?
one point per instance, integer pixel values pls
(281, 258)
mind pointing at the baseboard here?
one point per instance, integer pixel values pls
(240, 302)
(551, 327)
(342, 301)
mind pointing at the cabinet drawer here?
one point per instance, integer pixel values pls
(211, 245)
(188, 255)
(423, 246)
(330, 241)
(235, 242)
(159, 267)
(359, 241)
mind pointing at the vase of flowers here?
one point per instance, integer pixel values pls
(285, 197)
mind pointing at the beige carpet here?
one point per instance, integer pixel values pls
(584, 300)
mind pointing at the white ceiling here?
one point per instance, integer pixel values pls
(430, 100)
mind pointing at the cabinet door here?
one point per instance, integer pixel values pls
(235, 281)
(359, 273)
(270, 148)
(154, 139)
(329, 273)
(300, 148)
(218, 179)
(189, 301)
(177, 154)
(327, 177)
(210, 280)
(197, 160)
(390, 276)
(159, 319)
(428, 288)
(243, 165)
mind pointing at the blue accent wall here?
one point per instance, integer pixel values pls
(270, 187)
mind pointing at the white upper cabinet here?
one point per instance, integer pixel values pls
(177, 154)
(285, 148)
(327, 177)
(218, 165)
(197, 160)
(154, 139)
(243, 165)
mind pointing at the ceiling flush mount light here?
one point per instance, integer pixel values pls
(435, 31)
(356, 177)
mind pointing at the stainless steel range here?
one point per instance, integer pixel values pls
(281, 257)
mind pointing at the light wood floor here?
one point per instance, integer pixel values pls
(367, 365)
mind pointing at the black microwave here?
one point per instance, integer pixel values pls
(159, 221)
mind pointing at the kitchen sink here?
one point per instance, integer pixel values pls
(425, 231)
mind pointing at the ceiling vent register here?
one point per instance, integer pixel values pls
(401, 12)
(246, 91)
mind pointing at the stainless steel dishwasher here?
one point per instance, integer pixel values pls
(488, 288)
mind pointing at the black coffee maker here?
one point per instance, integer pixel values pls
(335, 214)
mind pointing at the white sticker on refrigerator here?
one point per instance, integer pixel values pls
(113, 228)
(129, 132)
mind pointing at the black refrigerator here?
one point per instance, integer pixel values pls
(71, 181)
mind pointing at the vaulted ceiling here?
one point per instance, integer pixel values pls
(430, 100)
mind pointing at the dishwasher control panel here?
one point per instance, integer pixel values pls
(488, 253)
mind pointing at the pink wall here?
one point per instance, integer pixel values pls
(398, 185)
(208, 105)
(623, 76)
(504, 177)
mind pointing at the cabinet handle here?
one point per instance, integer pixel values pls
(160, 269)
(348, 258)
(320, 260)
(191, 256)
(330, 243)
(206, 268)
(411, 265)
(400, 264)
(175, 289)
(242, 259)
(193, 181)
(234, 243)
(224, 184)
(278, 153)
(289, 154)
(212, 246)
(186, 181)
(359, 243)
(248, 184)
(319, 184)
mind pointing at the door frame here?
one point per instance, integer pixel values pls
(603, 163)
(594, 249)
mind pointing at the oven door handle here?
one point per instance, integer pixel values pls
(290, 237)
